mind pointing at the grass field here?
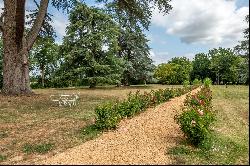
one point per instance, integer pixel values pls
(34, 127)
(230, 143)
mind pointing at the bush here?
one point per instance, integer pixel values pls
(197, 117)
(109, 114)
(186, 83)
(196, 82)
(207, 82)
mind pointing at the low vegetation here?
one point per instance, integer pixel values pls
(196, 118)
(228, 142)
(110, 114)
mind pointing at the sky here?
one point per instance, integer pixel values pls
(191, 27)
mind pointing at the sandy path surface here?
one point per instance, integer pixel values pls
(144, 139)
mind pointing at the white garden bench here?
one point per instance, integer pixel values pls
(65, 99)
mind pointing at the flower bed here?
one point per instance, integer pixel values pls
(197, 116)
(108, 115)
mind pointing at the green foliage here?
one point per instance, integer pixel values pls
(39, 148)
(138, 13)
(166, 73)
(109, 114)
(90, 46)
(207, 82)
(224, 65)
(134, 50)
(44, 57)
(196, 82)
(186, 83)
(222, 151)
(201, 67)
(197, 117)
(184, 69)
(175, 71)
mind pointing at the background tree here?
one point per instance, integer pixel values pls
(90, 45)
(184, 69)
(166, 73)
(17, 44)
(243, 50)
(201, 67)
(44, 56)
(224, 64)
(135, 51)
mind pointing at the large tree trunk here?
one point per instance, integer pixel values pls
(15, 61)
(16, 45)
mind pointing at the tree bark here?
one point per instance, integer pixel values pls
(42, 75)
(15, 46)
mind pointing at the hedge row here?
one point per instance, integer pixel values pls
(197, 116)
(108, 115)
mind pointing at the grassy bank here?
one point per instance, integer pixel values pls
(230, 140)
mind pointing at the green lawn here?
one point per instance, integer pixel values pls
(32, 127)
(231, 130)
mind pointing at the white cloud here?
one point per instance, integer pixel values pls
(213, 22)
(60, 23)
(159, 57)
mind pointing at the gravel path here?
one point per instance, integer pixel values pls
(144, 139)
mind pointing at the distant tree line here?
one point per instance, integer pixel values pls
(222, 66)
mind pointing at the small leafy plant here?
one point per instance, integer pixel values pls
(186, 83)
(196, 82)
(207, 82)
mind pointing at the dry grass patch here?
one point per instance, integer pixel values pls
(35, 120)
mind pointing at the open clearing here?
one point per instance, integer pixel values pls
(35, 120)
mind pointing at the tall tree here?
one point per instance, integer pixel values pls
(166, 73)
(135, 50)
(243, 50)
(17, 44)
(91, 45)
(184, 70)
(224, 64)
(44, 56)
(201, 67)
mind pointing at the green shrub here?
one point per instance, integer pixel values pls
(107, 116)
(196, 82)
(197, 117)
(186, 83)
(207, 82)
